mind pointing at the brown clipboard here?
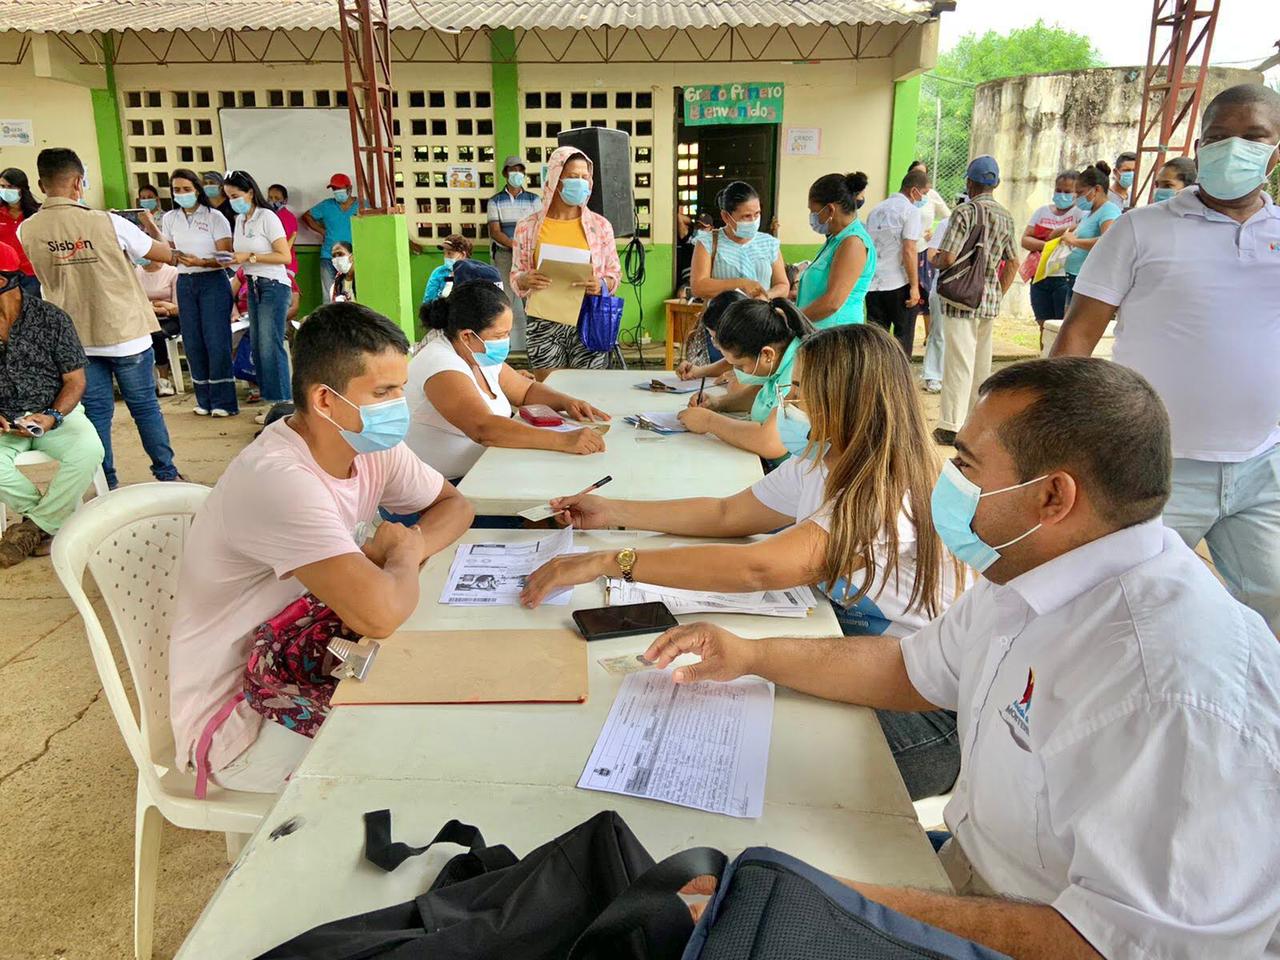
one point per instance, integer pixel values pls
(473, 666)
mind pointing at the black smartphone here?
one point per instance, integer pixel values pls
(604, 623)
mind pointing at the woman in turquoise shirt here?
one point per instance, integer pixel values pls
(834, 287)
(759, 339)
(1091, 197)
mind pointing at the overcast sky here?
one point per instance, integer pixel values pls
(1121, 29)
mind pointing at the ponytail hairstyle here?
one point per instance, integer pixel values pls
(1095, 175)
(735, 195)
(717, 306)
(858, 391)
(182, 173)
(748, 326)
(842, 189)
(473, 306)
(18, 178)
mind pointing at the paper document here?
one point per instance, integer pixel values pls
(661, 422)
(671, 385)
(795, 602)
(562, 301)
(702, 745)
(493, 574)
(555, 251)
(540, 512)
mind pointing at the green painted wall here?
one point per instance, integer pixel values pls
(796, 252)
(383, 276)
(902, 139)
(506, 95)
(110, 130)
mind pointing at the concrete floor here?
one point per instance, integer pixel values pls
(66, 781)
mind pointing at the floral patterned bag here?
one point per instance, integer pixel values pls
(287, 678)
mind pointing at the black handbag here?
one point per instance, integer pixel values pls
(488, 905)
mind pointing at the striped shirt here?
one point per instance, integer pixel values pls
(752, 260)
(506, 210)
(1000, 247)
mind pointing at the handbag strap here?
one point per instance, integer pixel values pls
(648, 896)
(715, 241)
(383, 852)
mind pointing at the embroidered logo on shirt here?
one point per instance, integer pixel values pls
(1018, 714)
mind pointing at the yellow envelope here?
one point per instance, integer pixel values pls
(562, 301)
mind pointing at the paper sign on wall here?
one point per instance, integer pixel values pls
(16, 133)
(803, 141)
(732, 103)
(463, 176)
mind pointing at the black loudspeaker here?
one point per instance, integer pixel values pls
(610, 154)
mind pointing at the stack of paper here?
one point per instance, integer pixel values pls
(493, 574)
(670, 385)
(795, 602)
(657, 422)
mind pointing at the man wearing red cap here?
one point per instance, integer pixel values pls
(41, 381)
(332, 219)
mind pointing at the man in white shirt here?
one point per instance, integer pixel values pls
(1118, 711)
(84, 259)
(1194, 284)
(896, 229)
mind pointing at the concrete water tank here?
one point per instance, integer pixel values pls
(1038, 125)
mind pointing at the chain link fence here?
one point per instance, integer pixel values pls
(942, 134)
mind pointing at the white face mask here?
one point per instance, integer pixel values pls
(342, 264)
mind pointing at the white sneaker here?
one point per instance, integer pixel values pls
(164, 387)
(201, 412)
(219, 412)
(261, 418)
(932, 386)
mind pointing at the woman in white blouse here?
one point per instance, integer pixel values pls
(462, 393)
(739, 256)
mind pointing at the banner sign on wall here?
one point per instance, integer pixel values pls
(732, 103)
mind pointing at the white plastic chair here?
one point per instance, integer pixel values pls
(34, 458)
(171, 346)
(131, 541)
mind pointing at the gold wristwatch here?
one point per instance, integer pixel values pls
(626, 561)
(253, 258)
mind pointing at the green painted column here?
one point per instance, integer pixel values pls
(902, 137)
(383, 275)
(110, 130)
(506, 97)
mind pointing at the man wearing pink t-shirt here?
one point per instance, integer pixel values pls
(293, 514)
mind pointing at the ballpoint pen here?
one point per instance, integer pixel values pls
(702, 386)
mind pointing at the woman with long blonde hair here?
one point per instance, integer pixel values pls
(853, 497)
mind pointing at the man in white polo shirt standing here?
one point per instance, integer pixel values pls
(1118, 710)
(1194, 285)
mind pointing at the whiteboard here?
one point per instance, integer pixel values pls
(298, 147)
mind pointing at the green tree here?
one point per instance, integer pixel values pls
(975, 59)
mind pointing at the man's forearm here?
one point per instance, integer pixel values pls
(444, 522)
(1008, 274)
(70, 394)
(868, 671)
(1023, 931)
(911, 263)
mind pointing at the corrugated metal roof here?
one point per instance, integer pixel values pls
(52, 16)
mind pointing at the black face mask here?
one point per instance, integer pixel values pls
(11, 281)
(861, 201)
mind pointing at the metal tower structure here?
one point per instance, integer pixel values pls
(1180, 31)
(366, 57)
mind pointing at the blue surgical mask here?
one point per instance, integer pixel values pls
(341, 195)
(1063, 201)
(816, 225)
(1084, 203)
(751, 379)
(575, 191)
(1126, 179)
(148, 203)
(516, 179)
(954, 504)
(10, 194)
(185, 200)
(745, 229)
(1165, 193)
(1231, 168)
(919, 204)
(141, 261)
(212, 190)
(383, 425)
(495, 352)
(241, 205)
(793, 430)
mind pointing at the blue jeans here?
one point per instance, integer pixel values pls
(1049, 298)
(1235, 509)
(136, 376)
(935, 346)
(268, 308)
(327, 276)
(204, 310)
